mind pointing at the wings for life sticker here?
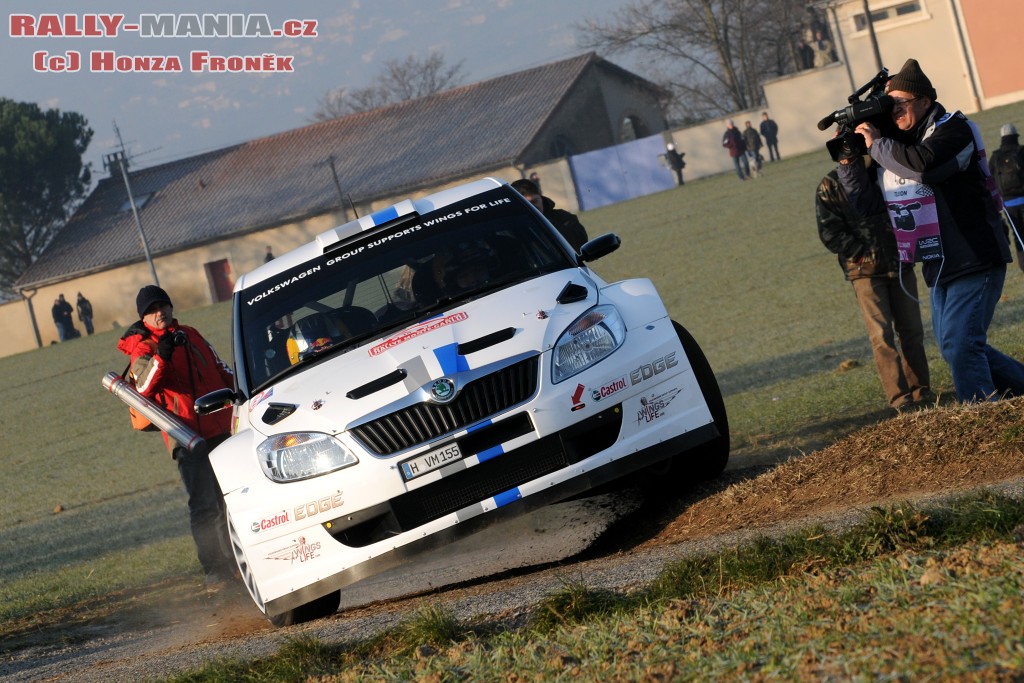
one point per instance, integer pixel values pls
(299, 550)
(914, 217)
(653, 407)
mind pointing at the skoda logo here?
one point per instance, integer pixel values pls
(442, 390)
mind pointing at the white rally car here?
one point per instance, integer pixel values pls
(416, 374)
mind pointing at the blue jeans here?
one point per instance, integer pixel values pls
(741, 159)
(961, 313)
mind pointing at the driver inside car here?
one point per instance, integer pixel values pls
(310, 335)
(463, 269)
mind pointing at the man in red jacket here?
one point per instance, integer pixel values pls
(172, 365)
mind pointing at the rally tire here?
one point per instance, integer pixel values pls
(322, 607)
(708, 460)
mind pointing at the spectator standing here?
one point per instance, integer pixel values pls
(733, 141)
(84, 308)
(172, 365)
(824, 52)
(58, 319)
(804, 56)
(61, 312)
(269, 256)
(564, 221)
(753, 143)
(770, 133)
(1007, 167)
(886, 290)
(936, 164)
(675, 162)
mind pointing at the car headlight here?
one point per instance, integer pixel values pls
(301, 455)
(591, 338)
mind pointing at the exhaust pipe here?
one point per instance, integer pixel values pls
(164, 420)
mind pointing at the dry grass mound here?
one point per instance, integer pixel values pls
(943, 449)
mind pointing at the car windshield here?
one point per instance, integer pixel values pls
(389, 278)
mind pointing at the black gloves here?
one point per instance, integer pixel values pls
(165, 348)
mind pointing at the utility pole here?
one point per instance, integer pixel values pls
(120, 158)
(337, 186)
(871, 34)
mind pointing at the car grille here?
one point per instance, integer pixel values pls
(478, 400)
(487, 479)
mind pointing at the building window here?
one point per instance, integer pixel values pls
(632, 129)
(886, 15)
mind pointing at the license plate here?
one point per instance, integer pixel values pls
(430, 461)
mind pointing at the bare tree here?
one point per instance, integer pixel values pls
(713, 55)
(398, 80)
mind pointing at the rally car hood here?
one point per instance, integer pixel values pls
(515, 322)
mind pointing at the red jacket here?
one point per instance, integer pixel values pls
(195, 369)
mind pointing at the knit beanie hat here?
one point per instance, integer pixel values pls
(149, 295)
(1007, 129)
(911, 79)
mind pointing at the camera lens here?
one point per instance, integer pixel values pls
(180, 339)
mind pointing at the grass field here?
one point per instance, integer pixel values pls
(91, 507)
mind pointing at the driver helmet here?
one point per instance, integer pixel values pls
(310, 335)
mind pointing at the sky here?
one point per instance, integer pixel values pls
(169, 114)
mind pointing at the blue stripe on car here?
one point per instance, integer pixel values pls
(485, 423)
(450, 360)
(384, 215)
(494, 452)
(507, 497)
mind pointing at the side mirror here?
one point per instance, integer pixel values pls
(214, 401)
(599, 246)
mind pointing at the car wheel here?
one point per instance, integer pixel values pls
(317, 609)
(708, 460)
(670, 477)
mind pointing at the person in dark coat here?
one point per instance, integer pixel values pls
(732, 140)
(84, 308)
(675, 162)
(886, 289)
(62, 319)
(770, 135)
(1007, 166)
(564, 221)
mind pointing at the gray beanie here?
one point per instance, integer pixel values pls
(1007, 129)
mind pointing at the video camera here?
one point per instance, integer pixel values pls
(875, 108)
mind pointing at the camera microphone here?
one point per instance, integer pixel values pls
(827, 121)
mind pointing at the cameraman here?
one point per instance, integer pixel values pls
(172, 365)
(935, 157)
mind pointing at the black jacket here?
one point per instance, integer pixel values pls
(566, 223)
(864, 245)
(1007, 166)
(941, 152)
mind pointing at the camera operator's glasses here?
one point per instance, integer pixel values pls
(899, 102)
